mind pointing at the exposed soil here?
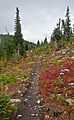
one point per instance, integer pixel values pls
(29, 109)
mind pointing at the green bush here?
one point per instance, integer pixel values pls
(1, 87)
(5, 64)
(25, 75)
(6, 79)
(11, 64)
(7, 111)
(57, 89)
(0, 67)
(60, 82)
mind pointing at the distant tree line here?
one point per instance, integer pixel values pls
(14, 44)
(42, 42)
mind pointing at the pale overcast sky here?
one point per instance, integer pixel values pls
(38, 17)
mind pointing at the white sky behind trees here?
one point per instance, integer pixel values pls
(38, 17)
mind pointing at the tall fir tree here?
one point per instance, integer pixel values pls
(45, 41)
(18, 37)
(38, 43)
(57, 33)
(67, 25)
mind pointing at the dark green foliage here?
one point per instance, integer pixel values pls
(30, 45)
(25, 75)
(1, 86)
(38, 43)
(5, 64)
(45, 41)
(18, 37)
(0, 67)
(68, 30)
(26, 46)
(14, 45)
(66, 26)
(63, 32)
(57, 89)
(57, 33)
(7, 46)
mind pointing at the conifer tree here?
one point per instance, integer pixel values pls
(57, 33)
(67, 24)
(18, 37)
(45, 41)
(38, 43)
(26, 46)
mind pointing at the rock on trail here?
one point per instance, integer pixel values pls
(29, 109)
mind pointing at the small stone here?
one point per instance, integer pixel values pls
(33, 115)
(62, 70)
(52, 54)
(63, 58)
(31, 87)
(26, 100)
(29, 105)
(63, 52)
(19, 116)
(72, 84)
(58, 95)
(32, 82)
(28, 96)
(19, 91)
(21, 95)
(72, 57)
(35, 108)
(36, 114)
(31, 51)
(61, 73)
(26, 89)
(32, 73)
(15, 100)
(69, 101)
(38, 101)
(66, 70)
(25, 79)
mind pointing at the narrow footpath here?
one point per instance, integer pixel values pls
(30, 107)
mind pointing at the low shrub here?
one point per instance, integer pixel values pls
(7, 109)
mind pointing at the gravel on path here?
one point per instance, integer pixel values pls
(29, 109)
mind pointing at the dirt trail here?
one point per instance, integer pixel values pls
(29, 107)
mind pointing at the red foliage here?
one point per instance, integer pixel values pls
(51, 78)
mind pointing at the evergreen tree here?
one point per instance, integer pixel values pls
(57, 33)
(45, 41)
(67, 25)
(26, 46)
(42, 43)
(18, 37)
(38, 43)
(63, 27)
(9, 46)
